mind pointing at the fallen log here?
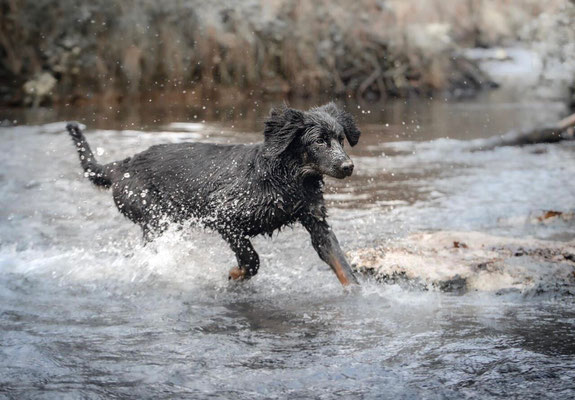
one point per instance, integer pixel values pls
(562, 130)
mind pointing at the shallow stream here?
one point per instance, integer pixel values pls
(87, 312)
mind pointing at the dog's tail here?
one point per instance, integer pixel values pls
(98, 174)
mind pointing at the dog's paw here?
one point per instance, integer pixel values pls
(237, 274)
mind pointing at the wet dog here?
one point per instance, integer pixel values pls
(240, 191)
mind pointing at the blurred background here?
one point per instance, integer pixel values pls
(185, 52)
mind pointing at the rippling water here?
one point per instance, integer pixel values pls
(87, 312)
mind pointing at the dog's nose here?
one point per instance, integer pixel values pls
(347, 167)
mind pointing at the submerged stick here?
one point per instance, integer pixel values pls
(562, 130)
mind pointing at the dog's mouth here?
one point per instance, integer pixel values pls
(339, 174)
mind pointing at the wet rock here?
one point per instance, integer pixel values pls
(457, 284)
(487, 263)
(484, 266)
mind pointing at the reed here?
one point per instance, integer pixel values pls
(362, 48)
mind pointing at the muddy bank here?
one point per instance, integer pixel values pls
(472, 261)
(70, 50)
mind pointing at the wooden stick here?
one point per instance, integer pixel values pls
(567, 122)
(563, 130)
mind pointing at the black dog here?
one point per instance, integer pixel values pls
(238, 190)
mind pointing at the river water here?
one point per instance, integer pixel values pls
(87, 312)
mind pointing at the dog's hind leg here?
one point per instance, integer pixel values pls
(248, 259)
(153, 228)
(148, 234)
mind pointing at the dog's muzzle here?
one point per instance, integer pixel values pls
(346, 168)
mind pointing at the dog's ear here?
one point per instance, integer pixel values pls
(345, 120)
(281, 128)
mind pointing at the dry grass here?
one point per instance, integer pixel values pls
(363, 48)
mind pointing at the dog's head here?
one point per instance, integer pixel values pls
(315, 137)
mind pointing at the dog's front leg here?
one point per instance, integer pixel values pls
(325, 243)
(248, 259)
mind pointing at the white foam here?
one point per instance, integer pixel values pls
(187, 126)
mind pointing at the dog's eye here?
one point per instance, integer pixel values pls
(320, 141)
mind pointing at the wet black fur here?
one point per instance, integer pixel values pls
(238, 190)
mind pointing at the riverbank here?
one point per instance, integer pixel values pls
(114, 52)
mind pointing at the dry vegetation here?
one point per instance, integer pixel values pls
(365, 48)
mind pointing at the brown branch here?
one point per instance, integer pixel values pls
(549, 134)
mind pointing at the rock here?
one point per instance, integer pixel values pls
(457, 284)
(432, 261)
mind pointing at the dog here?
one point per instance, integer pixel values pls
(240, 191)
